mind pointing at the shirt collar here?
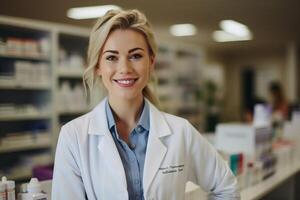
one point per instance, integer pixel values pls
(144, 120)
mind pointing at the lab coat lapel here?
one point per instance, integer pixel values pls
(106, 145)
(156, 150)
(111, 157)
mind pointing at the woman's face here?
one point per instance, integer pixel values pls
(125, 64)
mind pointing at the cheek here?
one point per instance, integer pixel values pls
(105, 71)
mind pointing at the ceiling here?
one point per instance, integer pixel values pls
(273, 23)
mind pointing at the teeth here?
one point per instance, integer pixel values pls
(125, 81)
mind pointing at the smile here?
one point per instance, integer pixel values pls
(125, 82)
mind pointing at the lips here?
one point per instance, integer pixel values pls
(128, 82)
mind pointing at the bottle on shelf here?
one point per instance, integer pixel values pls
(9, 188)
(33, 191)
(2, 191)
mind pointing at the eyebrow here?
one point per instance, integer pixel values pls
(130, 51)
(135, 49)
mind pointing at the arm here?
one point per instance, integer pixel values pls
(209, 170)
(67, 182)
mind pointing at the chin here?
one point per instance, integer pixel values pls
(127, 96)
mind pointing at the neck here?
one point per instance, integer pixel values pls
(126, 112)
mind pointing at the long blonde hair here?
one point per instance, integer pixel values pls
(112, 20)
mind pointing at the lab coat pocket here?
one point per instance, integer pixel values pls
(171, 174)
(169, 181)
(172, 169)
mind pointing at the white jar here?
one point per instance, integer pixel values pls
(2, 191)
(10, 188)
(34, 191)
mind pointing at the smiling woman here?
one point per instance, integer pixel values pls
(125, 148)
(105, 26)
(125, 65)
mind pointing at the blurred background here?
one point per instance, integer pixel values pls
(217, 60)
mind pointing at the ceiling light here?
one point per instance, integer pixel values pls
(183, 29)
(235, 28)
(90, 11)
(222, 36)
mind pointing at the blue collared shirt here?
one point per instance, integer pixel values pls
(132, 157)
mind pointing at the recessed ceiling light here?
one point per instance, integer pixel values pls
(235, 28)
(183, 30)
(223, 36)
(90, 11)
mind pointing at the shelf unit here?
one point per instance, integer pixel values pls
(70, 74)
(179, 67)
(21, 175)
(73, 112)
(21, 146)
(70, 96)
(63, 52)
(25, 94)
(24, 116)
(12, 85)
(24, 57)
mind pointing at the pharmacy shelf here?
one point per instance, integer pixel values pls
(24, 116)
(20, 176)
(38, 144)
(25, 57)
(9, 85)
(261, 189)
(69, 73)
(73, 112)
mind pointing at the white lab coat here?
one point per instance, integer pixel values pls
(88, 165)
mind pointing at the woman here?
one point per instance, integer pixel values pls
(280, 106)
(125, 148)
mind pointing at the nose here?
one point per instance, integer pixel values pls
(125, 66)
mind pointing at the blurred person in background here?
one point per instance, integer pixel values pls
(279, 104)
(248, 116)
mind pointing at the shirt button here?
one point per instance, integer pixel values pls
(132, 146)
(139, 129)
(137, 181)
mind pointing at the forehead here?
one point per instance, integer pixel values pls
(126, 39)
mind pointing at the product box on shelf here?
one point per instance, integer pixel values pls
(251, 140)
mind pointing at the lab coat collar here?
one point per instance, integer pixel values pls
(98, 124)
(158, 124)
(108, 151)
(156, 150)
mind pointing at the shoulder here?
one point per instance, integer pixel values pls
(175, 120)
(76, 128)
(81, 126)
(181, 127)
(178, 125)
(78, 122)
(162, 119)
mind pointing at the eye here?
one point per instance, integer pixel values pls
(111, 58)
(136, 56)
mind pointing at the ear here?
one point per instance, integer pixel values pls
(152, 63)
(98, 71)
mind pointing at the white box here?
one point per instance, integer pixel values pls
(243, 138)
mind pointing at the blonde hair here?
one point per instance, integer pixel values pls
(112, 20)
